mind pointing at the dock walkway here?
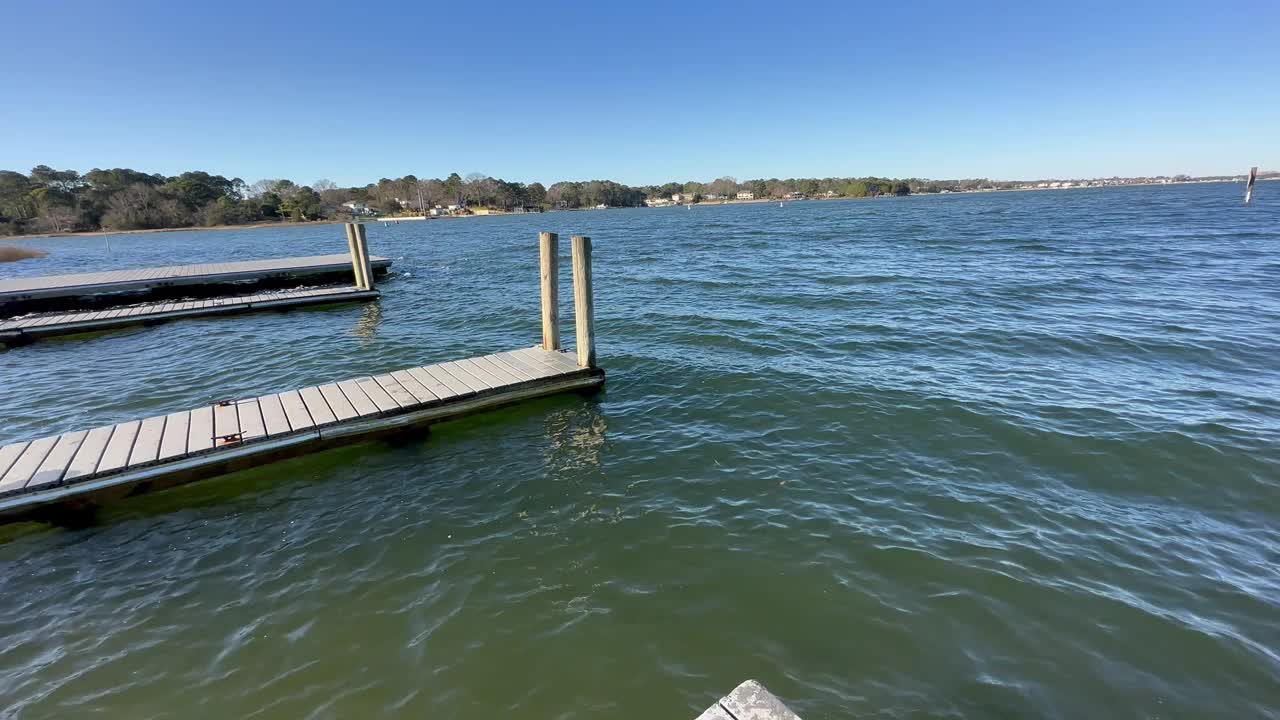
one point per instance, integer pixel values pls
(27, 289)
(26, 329)
(117, 460)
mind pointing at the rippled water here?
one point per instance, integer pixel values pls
(1010, 455)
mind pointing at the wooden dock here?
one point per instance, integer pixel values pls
(749, 701)
(16, 292)
(33, 327)
(45, 477)
(115, 460)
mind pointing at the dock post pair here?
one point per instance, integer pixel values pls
(358, 243)
(583, 300)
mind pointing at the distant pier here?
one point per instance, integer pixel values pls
(26, 294)
(34, 327)
(104, 301)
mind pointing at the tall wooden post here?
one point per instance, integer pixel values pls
(549, 251)
(356, 267)
(583, 303)
(362, 245)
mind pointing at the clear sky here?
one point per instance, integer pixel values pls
(642, 92)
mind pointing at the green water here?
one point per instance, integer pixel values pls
(1009, 455)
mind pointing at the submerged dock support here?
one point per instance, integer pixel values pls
(549, 251)
(583, 302)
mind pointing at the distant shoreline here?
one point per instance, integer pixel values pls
(419, 218)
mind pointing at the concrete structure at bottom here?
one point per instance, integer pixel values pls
(749, 701)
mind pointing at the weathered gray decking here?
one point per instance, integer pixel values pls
(749, 701)
(33, 327)
(25, 289)
(133, 456)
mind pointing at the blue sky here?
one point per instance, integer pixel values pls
(643, 92)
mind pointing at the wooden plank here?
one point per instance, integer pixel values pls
(379, 396)
(481, 373)
(359, 400)
(27, 464)
(403, 397)
(200, 430)
(116, 456)
(250, 417)
(505, 375)
(429, 382)
(533, 369)
(146, 447)
(558, 361)
(273, 417)
(464, 377)
(456, 386)
(317, 406)
(515, 371)
(296, 410)
(9, 454)
(86, 458)
(750, 701)
(541, 358)
(226, 422)
(55, 463)
(338, 402)
(415, 388)
(174, 441)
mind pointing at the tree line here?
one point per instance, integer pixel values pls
(59, 201)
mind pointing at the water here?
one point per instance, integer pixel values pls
(1009, 455)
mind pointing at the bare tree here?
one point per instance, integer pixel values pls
(262, 187)
(56, 219)
(724, 186)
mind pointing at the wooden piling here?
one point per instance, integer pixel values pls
(1248, 191)
(356, 267)
(583, 301)
(362, 245)
(549, 249)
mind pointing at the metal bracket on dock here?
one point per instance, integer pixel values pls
(229, 439)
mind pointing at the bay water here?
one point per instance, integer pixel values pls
(997, 455)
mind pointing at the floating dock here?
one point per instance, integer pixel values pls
(16, 294)
(749, 701)
(127, 458)
(75, 471)
(28, 329)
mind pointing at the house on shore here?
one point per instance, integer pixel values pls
(356, 208)
(746, 195)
